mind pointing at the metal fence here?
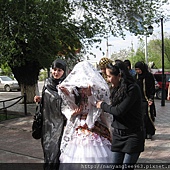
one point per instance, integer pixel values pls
(14, 102)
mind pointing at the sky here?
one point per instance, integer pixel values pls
(116, 44)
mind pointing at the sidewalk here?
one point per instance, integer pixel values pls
(16, 142)
(158, 150)
(18, 146)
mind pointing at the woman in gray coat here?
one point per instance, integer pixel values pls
(53, 119)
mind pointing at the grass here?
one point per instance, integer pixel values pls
(3, 117)
(10, 115)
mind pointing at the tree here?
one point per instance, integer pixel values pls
(154, 47)
(155, 51)
(139, 55)
(34, 32)
(121, 55)
(5, 70)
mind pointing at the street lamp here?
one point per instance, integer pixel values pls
(163, 75)
(149, 32)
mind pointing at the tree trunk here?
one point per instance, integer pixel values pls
(27, 76)
(30, 92)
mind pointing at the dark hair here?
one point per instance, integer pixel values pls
(120, 93)
(58, 63)
(114, 69)
(127, 63)
(120, 68)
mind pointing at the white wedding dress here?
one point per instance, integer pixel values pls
(86, 137)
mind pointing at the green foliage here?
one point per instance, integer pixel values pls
(3, 116)
(139, 55)
(114, 17)
(154, 48)
(34, 32)
(43, 75)
(155, 51)
(6, 70)
(121, 55)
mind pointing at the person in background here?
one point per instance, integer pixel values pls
(102, 65)
(128, 65)
(146, 82)
(53, 120)
(128, 132)
(168, 95)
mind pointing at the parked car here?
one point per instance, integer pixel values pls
(158, 77)
(7, 84)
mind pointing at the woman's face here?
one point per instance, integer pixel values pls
(114, 80)
(57, 73)
(138, 70)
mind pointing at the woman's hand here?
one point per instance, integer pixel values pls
(64, 90)
(98, 104)
(150, 102)
(77, 111)
(37, 99)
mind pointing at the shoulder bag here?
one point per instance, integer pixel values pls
(37, 122)
(38, 119)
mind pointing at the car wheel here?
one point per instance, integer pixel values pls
(7, 88)
(159, 94)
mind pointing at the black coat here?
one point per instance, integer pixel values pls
(146, 83)
(127, 116)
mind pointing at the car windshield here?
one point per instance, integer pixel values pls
(6, 79)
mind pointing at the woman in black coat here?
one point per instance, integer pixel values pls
(128, 135)
(146, 82)
(53, 119)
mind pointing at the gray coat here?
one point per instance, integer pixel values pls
(53, 125)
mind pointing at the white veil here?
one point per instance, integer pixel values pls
(83, 75)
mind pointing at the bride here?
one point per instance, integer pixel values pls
(86, 137)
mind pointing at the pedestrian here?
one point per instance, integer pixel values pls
(86, 137)
(53, 119)
(127, 135)
(102, 65)
(128, 65)
(146, 81)
(168, 95)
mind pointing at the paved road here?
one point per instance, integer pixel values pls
(18, 146)
(12, 94)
